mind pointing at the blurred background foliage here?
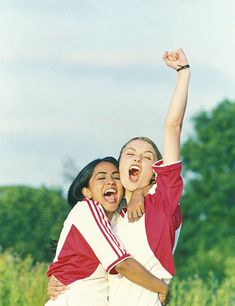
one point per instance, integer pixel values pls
(31, 217)
(207, 241)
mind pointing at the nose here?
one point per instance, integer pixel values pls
(110, 181)
(137, 158)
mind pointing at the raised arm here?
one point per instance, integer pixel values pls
(175, 115)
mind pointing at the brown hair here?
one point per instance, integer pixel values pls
(158, 154)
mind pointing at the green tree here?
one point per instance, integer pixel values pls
(207, 238)
(30, 218)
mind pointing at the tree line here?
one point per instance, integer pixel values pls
(31, 217)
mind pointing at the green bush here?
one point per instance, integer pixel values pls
(30, 218)
(24, 284)
(21, 282)
(199, 292)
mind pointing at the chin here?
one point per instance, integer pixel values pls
(130, 186)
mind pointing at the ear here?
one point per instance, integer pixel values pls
(86, 192)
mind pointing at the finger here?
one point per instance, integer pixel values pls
(130, 217)
(170, 56)
(56, 290)
(180, 51)
(60, 289)
(142, 209)
(176, 56)
(53, 278)
(139, 213)
(167, 299)
(58, 283)
(136, 215)
(52, 294)
(53, 282)
(133, 217)
(165, 55)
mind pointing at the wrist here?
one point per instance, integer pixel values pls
(165, 289)
(139, 191)
(184, 73)
(182, 67)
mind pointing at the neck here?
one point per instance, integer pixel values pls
(109, 214)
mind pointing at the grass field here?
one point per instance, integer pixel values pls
(24, 284)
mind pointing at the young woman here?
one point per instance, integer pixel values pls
(87, 248)
(153, 238)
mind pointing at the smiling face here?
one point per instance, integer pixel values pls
(105, 187)
(135, 164)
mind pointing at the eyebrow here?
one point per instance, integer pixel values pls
(143, 152)
(103, 172)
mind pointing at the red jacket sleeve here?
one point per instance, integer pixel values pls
(169, 187)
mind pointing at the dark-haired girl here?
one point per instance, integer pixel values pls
(87, 249)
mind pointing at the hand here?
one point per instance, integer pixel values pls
(135, 208)
(55, 287)
(175, 59)
(164, 297)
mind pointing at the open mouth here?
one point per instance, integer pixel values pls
(134, 173)
(110, 195)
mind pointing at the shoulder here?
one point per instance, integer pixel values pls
(118, 216)
(160, 166)
(152, 190)
(82, 208)
(161, 169)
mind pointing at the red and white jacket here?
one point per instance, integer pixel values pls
(152, 239)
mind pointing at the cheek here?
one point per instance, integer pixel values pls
(97, 188)
(121, 189)
(148, 173)
(123, 168)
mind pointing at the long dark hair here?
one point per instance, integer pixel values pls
(82, 180)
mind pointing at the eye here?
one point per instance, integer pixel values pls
(101, 178)
(147, 157)
(130, 154)
(116, 178)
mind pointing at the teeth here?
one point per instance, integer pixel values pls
(135, 168)
(109, 192)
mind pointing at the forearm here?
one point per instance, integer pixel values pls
(143, 191)
(178, 103)
(174, 118)
(135, 272)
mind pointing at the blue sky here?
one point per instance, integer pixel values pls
(79, 78)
